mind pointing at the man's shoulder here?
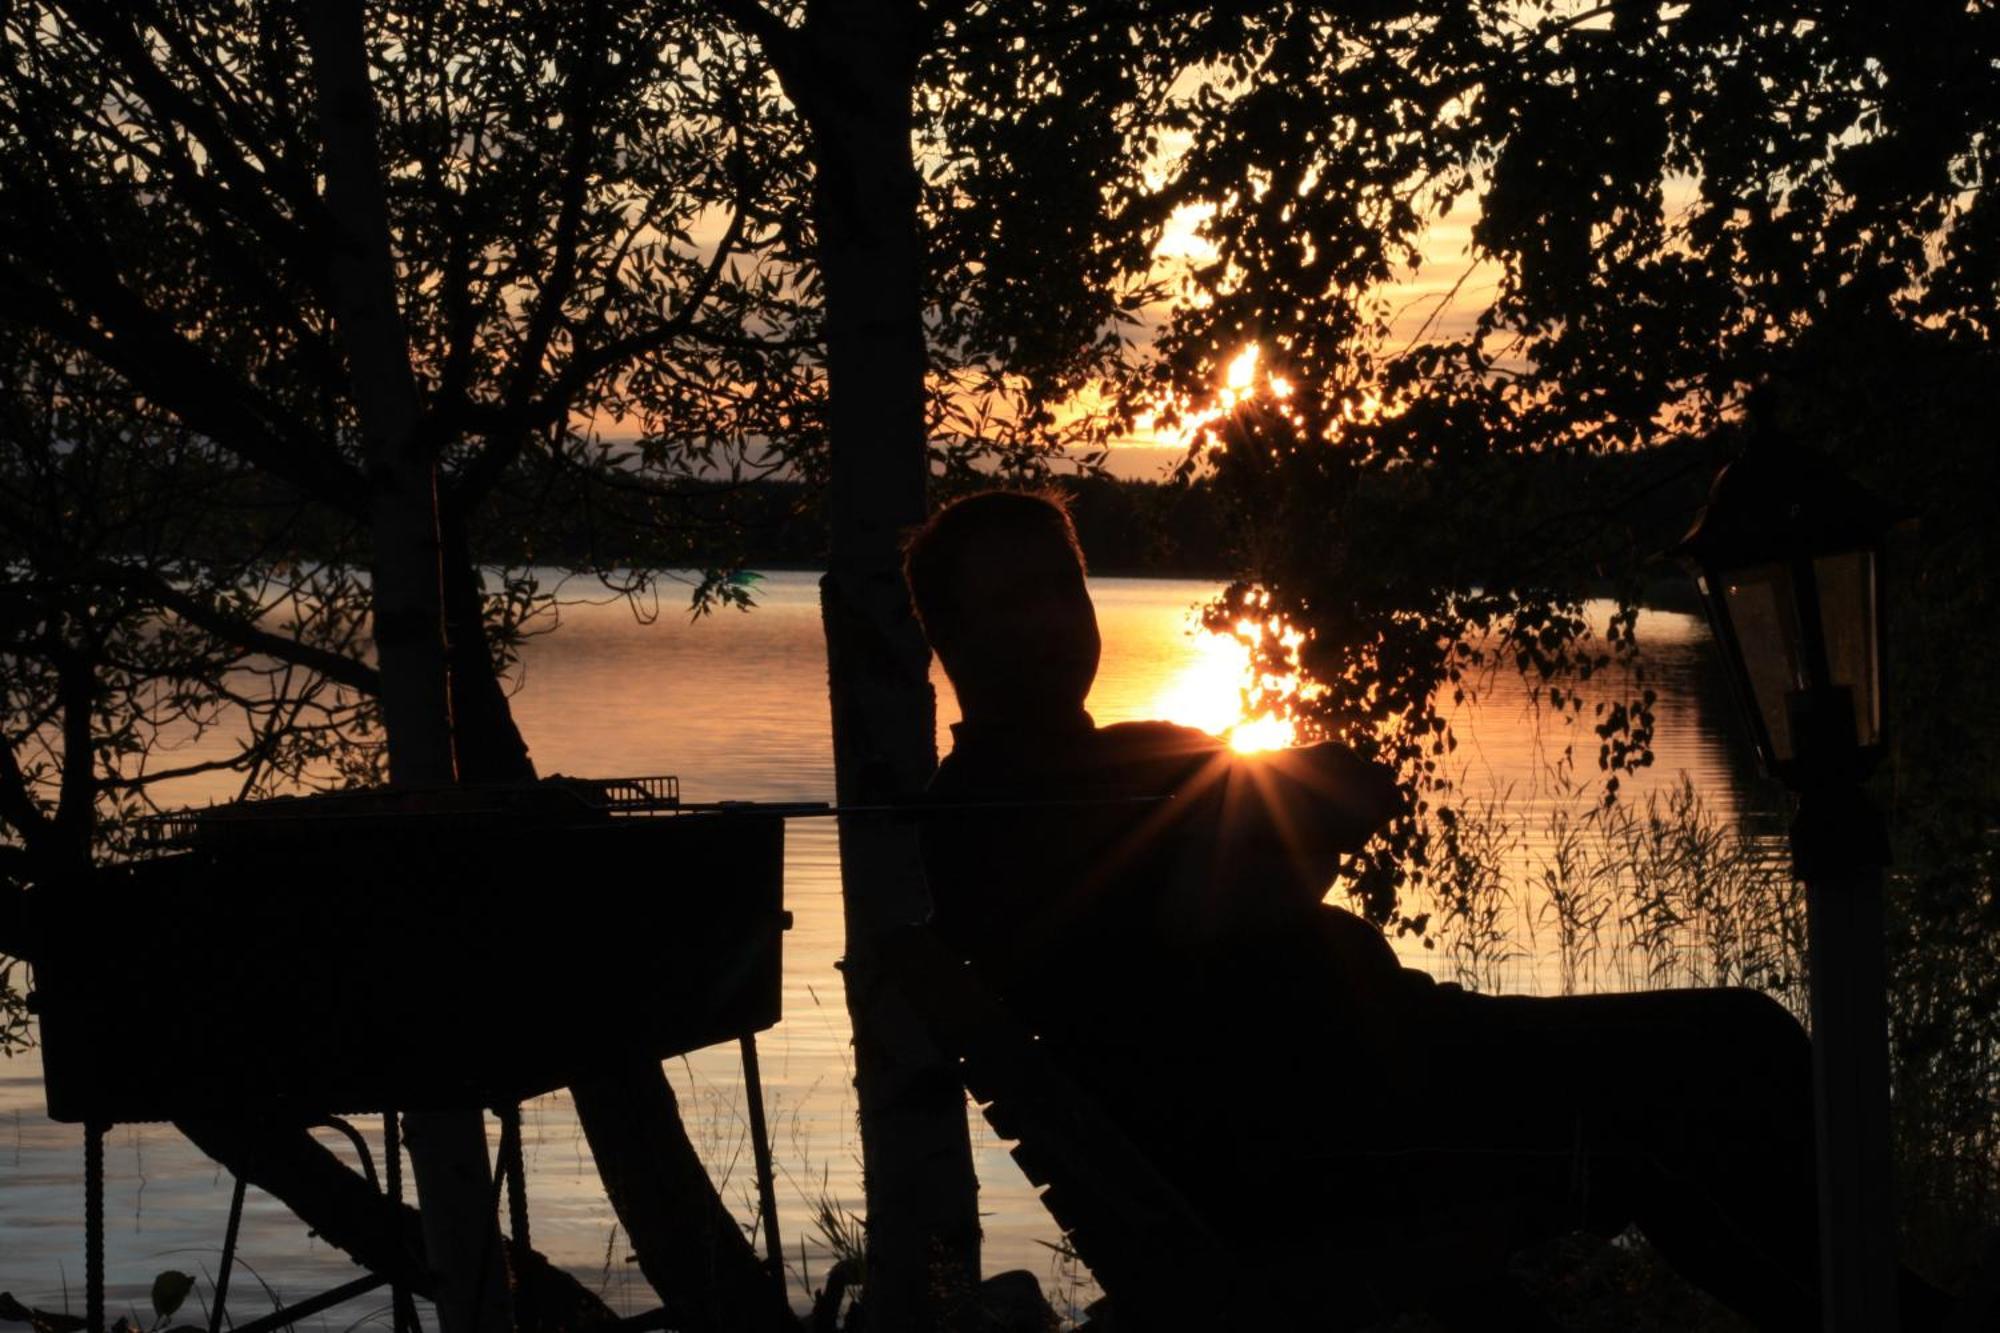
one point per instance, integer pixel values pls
(978, 767)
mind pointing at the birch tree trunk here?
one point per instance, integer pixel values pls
(447, 1149)
(922, 1194)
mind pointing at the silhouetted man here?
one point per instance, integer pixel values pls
(1268, 1050)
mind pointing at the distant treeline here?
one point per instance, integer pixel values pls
(1126, 527)
(1592, 516)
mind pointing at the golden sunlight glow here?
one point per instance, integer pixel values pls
(1181, 240)
(1262, 733)
(1242, 372)
(1242, 380)
(1207, 694)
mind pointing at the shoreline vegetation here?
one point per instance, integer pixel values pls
(1610, 508)
(1609, 505)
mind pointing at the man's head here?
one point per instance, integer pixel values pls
(998, 583)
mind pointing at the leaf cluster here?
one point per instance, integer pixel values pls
(1678, 223)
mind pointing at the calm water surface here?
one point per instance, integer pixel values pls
(736, 705)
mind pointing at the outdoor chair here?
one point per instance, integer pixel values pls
(1162, 1261)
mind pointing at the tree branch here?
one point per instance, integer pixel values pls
(17, 803)
(116, 38)
(337, 667)
(137, 781)
(782, 44)
(579, 115)
(76, 793)
(510, 430)
(476, 478)
(128, 336)
(351, 1215)
(284, 162)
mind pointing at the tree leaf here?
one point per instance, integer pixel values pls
(169, 1290)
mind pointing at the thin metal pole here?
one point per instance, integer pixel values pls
(760, 1144)
(1840, 845)
(93, 1226)
(1851, 1083)
(222, 1271)
(517, 1178)
(403, 1308)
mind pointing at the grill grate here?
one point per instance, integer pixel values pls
(559, 799)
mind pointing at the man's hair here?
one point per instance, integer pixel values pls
(978, 527)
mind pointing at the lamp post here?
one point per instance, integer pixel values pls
(1788, 556)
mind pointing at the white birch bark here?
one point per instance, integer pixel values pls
(447, 1149)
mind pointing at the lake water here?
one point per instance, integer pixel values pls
(735, 704)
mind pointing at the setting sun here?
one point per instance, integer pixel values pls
(1207, 694)
(1242, 372)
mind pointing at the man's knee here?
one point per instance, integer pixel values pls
(1757, 1020)
(1759, 1042)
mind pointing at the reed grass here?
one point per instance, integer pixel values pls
(1561, 891)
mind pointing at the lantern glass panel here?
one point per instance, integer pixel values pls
(1764, 614)
(1847, 608)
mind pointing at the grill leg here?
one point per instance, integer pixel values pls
(93, 1225)
(228, 1257)
(404, 1318)
(512, 1169)
(760, 1143)
(401, 1301)
(517, 1176)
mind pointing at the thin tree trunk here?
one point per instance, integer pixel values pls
(694, 1255)
(922, 1194)
(690, 1247)
(447, 1149)
(487, 746)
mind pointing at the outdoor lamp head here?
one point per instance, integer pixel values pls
(1788, 555)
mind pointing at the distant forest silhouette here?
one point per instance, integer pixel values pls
(1127, 527)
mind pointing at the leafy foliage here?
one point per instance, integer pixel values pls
(1688, 227)
(589, 289)
(1677, 219)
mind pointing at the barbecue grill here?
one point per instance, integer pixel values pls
(402, 949)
